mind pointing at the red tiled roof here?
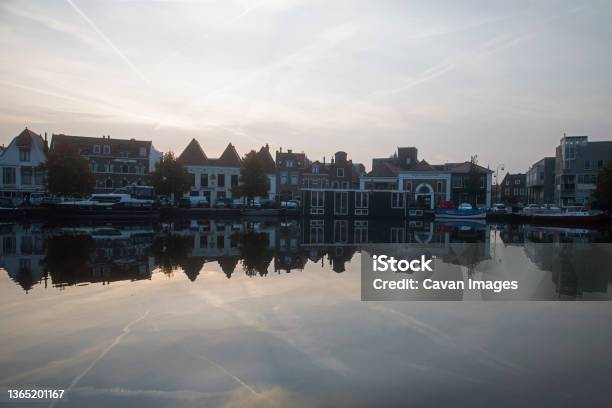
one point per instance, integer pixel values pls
(193, 154)
(229, 157)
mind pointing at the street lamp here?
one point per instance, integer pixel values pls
(497, 192)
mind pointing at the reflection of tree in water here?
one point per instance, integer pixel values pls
(172, 251)
(255, 253)
(68, 258)
(228, 264)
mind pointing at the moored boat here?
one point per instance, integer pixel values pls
(569, 216)
(463, 212)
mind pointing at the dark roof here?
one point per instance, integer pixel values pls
(383, 168)
(464, 167)
(229, 157)
(265, 156)
(85, 143)
(193, 154)
(25, 138)
(421, 166)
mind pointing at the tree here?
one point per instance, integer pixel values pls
(473, 180)
(603, 192)
(253, 181)
(170, 177)
(67, 172)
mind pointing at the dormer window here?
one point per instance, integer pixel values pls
(315, 169)
(340, 172)
(24, 155)
(107, 149)
(125, 154)
(96, 149)
(143, 152)
(289, 163)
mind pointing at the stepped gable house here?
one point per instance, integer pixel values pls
(114, 163)
(211, 178)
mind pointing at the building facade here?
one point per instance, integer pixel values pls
(211, 178)
(270, 167)
(20, 162)
(540, 182)
(577, 165)
(115, 163)
(514, 189)
(290, 168)
(427, 185)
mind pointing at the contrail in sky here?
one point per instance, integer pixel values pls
(108, 41)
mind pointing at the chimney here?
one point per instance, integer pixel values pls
(289, 151)
(324, 160)
(46, 148)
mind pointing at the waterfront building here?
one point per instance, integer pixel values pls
(578, 162)
(540, 182)
(20, 162)
(290, 167)
(211, 178)
(513, 189)
(340, 173)
(270, 168)
(115, 163)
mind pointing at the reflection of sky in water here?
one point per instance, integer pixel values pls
(298, 338)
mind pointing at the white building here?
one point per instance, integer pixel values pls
(211, 178)
(20, 174)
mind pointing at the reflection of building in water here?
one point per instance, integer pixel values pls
(220, 241)
(577, 264)
(105, 254)
(23, 248)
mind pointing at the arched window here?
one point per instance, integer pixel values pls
(109, 183)
(124, 183)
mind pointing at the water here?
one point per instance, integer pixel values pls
(234, 313)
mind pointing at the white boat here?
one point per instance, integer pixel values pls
(141, 197)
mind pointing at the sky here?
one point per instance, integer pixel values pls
(503, 80)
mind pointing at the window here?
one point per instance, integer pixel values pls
(360, 232)
(289, 163)
(220, 195)
(517, 181)
(194, 193)
(341, 202)
(587, 165)
(142, 152)
(339, 172)
(294, 179)
(439, 187)
(397, 235)
(397, 200)
(317, 231)
(515, 191)
(192, 176)
(109, 183)
(203, 180)
(39, 176)
(600, 164)
(345, 185)
(340, 231)
(221, 180)
(24, 155)
(408, 186)
(483, 180)
(362, 202)
(8, 175)
(317, 202)
(26, 175)
(107, 149)
(96, 149)
(315, 169)
(125, 154)
(507, 191)
(283, 177)
(458, 182)
(234, 180)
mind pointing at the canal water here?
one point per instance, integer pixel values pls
(256, 313)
